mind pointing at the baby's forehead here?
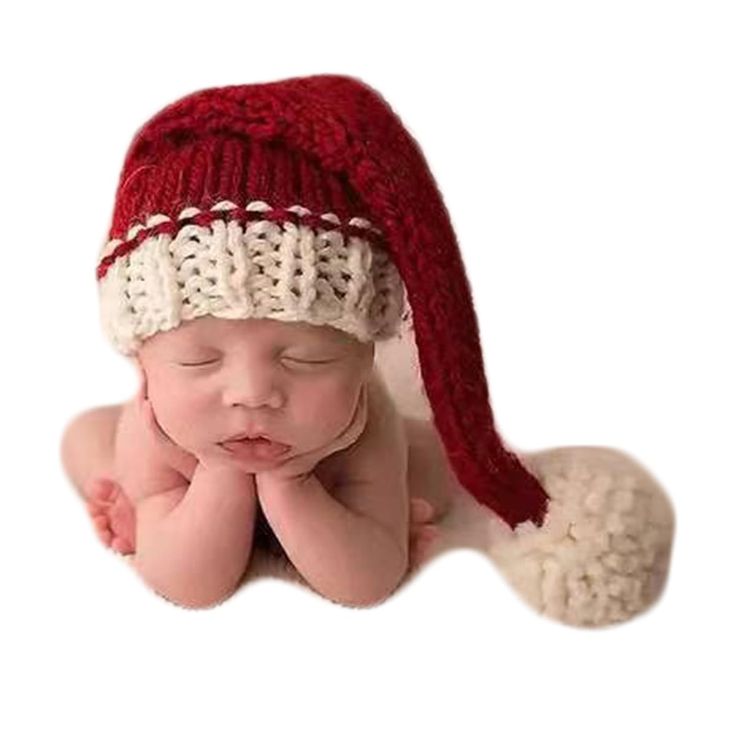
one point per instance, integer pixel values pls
(219, 332)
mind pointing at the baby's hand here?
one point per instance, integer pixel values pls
(300, 466)
(176, 456)
(180, 459)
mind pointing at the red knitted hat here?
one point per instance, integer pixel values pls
(323, 165)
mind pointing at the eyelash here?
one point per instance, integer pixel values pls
(196, 365)
(295, 360)
(309, 362)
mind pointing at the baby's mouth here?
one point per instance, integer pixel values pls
(259, 448)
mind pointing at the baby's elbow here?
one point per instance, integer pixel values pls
(195, 600)
(380, 589)
(182, 590)
(381, 595)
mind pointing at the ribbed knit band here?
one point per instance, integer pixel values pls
(252, 262)
(296, 250)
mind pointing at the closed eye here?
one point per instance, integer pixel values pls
(309, 362)
(293, 360)
(194, 365)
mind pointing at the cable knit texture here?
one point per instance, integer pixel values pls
(603, 553)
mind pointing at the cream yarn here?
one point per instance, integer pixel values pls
(284, 271)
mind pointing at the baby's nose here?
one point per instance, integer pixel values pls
(252, 390)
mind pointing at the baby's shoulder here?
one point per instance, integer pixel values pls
(140, 466)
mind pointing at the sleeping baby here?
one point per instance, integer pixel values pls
(267, 241)
(248, 287)
(237, 416)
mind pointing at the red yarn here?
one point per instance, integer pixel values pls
(332, 144)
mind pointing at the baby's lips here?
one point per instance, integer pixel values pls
(256, 449)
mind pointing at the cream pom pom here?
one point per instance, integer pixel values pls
(602, 554)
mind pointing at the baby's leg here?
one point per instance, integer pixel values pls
(430, 481)
(88, 445)
(87, 452)
(430, 476)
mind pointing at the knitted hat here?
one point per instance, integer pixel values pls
(307, 199)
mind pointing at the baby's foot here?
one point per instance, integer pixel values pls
(422, 532)
(113, 515)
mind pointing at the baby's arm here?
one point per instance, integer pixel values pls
(193, 537)
(350, 542)
(193, 543)
(347, 557)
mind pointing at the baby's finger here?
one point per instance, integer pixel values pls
(148, 419)
(351, 433)
(152, 423)
(361, 411)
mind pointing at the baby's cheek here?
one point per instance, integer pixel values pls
(187, 418)
(328, 406)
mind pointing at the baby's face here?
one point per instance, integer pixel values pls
(210, 379)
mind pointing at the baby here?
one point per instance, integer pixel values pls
(333, 478)
(245, 277)
(264, 242)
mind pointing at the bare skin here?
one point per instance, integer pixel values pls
(88, 455)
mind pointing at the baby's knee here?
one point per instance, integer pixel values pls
(87, 444)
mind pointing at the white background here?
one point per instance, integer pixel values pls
(586, 155)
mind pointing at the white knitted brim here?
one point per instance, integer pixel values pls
(278, 270)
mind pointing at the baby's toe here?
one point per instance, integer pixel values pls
(100, 490)
(421, 510)
(101, 523)
(104, 534)
(121, 545)
(421, 542)
(428, 533)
